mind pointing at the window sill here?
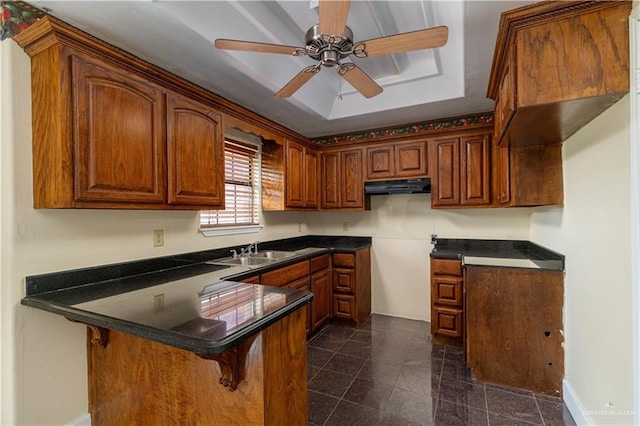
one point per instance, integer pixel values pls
(230, 230)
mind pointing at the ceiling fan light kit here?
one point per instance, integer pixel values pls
(331, 41)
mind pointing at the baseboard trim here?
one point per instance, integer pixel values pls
(84, 420)
(573, 404)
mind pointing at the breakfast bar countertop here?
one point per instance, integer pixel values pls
(183, 300)
(500, 253)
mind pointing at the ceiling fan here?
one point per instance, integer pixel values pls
(330, 41)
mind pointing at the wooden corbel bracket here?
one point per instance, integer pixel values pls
(99, 335)
(232, 363)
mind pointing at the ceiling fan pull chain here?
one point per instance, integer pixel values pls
(340, 89)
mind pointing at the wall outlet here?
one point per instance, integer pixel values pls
(158, 303)
(345, 226)
(158, 237)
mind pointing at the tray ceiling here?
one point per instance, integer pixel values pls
(418, 86)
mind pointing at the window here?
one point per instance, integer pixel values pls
(242, 190)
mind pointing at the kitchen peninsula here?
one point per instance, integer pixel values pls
(178, 340)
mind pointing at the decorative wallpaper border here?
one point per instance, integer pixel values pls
(416, 128)
(16, 16)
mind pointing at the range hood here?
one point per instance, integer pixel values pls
(404, 186)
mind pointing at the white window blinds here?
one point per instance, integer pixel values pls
(242, 181)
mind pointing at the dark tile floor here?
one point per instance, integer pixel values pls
(388, 372)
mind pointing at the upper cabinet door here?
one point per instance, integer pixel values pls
(195, 153)
(352, 194)
(295, 182)
(475, 182)
(411, 159)
(331, 177)
(380, 162)
(311, 179)
(118, 138)
(445, 182)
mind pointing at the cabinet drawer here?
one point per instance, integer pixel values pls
(446, 290)
(347, 260)
(343, 280)
(286, 275)
(344, 306)
(446, 267)
(318, 263)
(301, 283)
(446, 321)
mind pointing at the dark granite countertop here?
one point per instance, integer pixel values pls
(498, 253)
(123, 296)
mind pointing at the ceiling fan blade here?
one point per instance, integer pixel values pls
(404, 42)
(333, 16)
(359, 80)
(252, 46)
(297, 82)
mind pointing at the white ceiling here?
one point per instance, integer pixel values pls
(418, 86)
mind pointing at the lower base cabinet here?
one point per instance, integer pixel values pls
(352, 286)
(447, 302)
(310, 275)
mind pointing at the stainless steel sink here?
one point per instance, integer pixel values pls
(273, 254)
(242, 260)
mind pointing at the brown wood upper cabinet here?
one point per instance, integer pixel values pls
(398, 160)
(195, 153)
(109, 134)
(342, 184)
(536, 76)
(461, 171)
(301, 176)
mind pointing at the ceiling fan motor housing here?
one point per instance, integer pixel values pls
(326, 48)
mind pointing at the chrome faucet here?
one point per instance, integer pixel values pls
(247, 250)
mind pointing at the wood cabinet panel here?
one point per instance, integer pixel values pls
(321, 262)
(398, 160)
(351, 281)
(514, 324)
(475, 179)
(352, 191)
(331, 178)
(347, 260)
(321, 304)
(295, 182)
(447, 301)
(116, 142)
(411, 159)
(380, 162)
(445, 182)
(118, 135)
(446, 266)
(195, 153)
(446, 291)
(344, 306)
(342, 180)
(537, 77)
(311, 179)
(447, 321)
(344, 280)
(286, 275)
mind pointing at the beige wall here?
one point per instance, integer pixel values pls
(401, 228)
(593, 231)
